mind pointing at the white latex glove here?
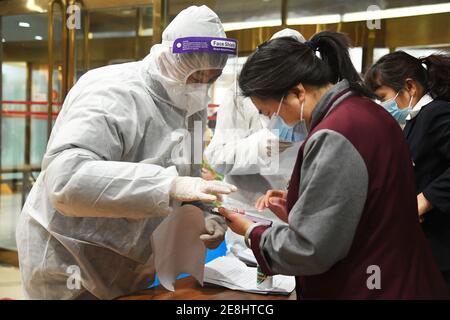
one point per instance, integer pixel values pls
(197, 189)
(215, 228)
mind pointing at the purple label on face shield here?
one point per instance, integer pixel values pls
(205, 44)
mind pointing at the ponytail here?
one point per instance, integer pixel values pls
(334, 51)
(438, 76)
(392, 70)
(280, 64)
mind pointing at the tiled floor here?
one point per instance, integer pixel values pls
(10, 283)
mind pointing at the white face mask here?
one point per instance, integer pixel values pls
(190, 97)
(399, 114)
(196, 98)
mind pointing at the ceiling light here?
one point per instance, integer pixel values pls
(322, 19)
(396, 12)
(228, 26)
(38, 38)
(24, 24)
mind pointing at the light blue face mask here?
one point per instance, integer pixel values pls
(295, 133)
(400, 115)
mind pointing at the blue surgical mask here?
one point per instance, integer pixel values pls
(399, 114)
(294, 133)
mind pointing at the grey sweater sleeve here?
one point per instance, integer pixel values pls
(323, 221)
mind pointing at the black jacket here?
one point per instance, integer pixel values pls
(428, 135)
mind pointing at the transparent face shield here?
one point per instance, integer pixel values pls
(188, 73)
(207, 68)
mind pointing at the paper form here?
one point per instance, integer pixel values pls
(232, 273)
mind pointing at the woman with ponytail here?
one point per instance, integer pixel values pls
(351, 213)
(417, 93)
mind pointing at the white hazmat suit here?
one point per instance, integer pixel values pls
(109, 176)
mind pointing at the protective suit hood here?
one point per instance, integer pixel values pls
(168, 71)
(194, 21)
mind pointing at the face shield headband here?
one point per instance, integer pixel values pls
(195, 58)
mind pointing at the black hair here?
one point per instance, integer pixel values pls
(279, 65)
(392, 70)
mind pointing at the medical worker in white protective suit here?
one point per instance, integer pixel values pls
(243, 149)
(108, 178)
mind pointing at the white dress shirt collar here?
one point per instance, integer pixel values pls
(426, 99)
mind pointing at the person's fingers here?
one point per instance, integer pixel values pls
(257, 203)
(278, 206)
(269, 193)
(233, 187)
(260, 203)
(276, 193)
(225, 212)
(273, 193)
(264, 203)
(219, 187)
(205, 197)
(207, 237)
(222, 183)
(266, 199)
(216, 189)
(204, 237)
(210, 228)
(277, 201)
(229, 215)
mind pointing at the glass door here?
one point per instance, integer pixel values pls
(23, 108)
(44, 50)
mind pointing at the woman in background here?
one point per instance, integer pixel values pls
(417, 93)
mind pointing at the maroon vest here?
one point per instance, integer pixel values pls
(388, 235)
